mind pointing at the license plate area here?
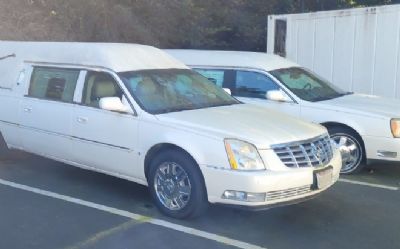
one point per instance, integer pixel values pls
(323, 178)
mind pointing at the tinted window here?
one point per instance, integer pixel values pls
(99, 85)
(53, 83)
(253, 84)
(280, 38)
(215, 76)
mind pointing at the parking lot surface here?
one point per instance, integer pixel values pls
(47, 204)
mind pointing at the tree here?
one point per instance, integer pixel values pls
(206, 24)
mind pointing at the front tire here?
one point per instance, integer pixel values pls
(177, 185)
(351, 148)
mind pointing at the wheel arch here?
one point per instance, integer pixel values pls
(160, 147)
(329, 125)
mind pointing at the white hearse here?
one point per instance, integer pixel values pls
(134, 112)
(363, 127)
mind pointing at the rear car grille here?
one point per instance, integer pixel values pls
(315, 152)
(287, 193)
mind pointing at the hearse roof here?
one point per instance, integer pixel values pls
(115, 56)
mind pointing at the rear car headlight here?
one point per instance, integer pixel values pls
(243, 155)
(395, 127)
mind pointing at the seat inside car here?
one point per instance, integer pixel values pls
(100, 85)
(149, 92)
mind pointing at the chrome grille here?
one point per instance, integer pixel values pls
(311, 153)
(287, 193)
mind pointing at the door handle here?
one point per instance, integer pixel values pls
(82, 119)
(28, 109)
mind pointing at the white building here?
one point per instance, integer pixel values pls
(357, 49)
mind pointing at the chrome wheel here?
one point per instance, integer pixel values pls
(172, 186)
(350, 150)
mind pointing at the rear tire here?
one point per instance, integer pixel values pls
(177, 185)
(4, 150)
(351, 148)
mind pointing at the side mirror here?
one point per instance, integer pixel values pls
(227, 90)
(277, 95)
(114, 104)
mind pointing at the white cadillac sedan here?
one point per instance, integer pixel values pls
(363, 127)
(134, 112)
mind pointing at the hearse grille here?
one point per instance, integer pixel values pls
(316, 152)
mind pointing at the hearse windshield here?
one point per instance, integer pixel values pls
(307, 85)
(171, 90)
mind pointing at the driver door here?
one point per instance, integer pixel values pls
(102, 139)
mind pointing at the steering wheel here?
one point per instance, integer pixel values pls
(307, 86)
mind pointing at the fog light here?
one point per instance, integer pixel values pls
(243, 196)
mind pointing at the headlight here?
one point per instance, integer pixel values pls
(395, 126)
(243, 155)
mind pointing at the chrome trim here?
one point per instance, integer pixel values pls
(299, 142)
(287, 193)
(66, 136)
(386, 154)
(64, 65)
(315, 152)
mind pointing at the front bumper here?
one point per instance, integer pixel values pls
(382, 148)
(269, 206)
(289, 185)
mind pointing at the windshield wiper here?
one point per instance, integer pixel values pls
(332, 96)
(179, 109)
(343, 94)
(224, 104)
(174, 109)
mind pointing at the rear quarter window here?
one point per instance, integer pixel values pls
(53, 83)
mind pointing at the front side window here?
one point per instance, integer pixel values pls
(307, 85)
(99, 85)
(213, 75)
(171, 90)
(253, 85)
(53, 83)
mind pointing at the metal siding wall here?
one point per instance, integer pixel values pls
(386, 54)
(271, 34)
(364, 54)
(324, 42)
(397, 87)
(305, 41)
(358, 49)
(291, 40)
(343, 52)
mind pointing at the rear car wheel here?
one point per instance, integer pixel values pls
(4, 150)
(351, 148)
(176, 185)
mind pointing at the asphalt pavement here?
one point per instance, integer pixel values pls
(47, 204)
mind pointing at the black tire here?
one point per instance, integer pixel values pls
(4, 150)
(198, 202)
(359, 164)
